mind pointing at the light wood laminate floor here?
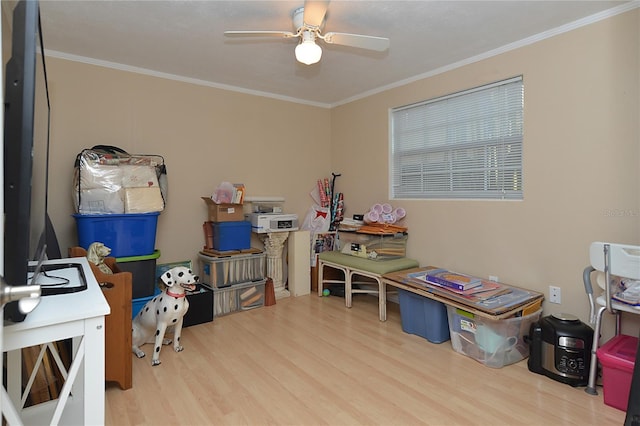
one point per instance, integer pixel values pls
(311, 361)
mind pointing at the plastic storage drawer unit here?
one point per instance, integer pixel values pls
(143, 270)
(223, 271)
(238, 297)
(424, 317)
(493, 342)
(125, 234)
(617, 357)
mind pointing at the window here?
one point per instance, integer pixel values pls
(465, 145)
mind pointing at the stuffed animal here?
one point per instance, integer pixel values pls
(96, 253)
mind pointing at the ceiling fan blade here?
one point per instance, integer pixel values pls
(314, 12)
(355, 40)
(286, 34)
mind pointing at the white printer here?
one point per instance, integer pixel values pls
(266, 215)
(273, 222)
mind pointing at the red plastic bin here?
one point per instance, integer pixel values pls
(617, 357)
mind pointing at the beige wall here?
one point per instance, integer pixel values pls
(206, 136)
(581, 155)
(581, 163)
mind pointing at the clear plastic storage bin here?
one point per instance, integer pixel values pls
(494, 343)
(374, 247)
(238, 297)
(223, 271)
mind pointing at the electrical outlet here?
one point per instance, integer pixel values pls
(493, 278)
(555, 294)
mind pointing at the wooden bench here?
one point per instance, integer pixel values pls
(354, 268)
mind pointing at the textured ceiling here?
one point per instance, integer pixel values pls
(184, 40)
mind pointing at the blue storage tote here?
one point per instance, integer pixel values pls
(138, 304)
(229, 236)
(423, 316)
(131, 234)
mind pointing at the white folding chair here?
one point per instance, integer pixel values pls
(608, 260)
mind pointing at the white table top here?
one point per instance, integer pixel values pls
(61, 308)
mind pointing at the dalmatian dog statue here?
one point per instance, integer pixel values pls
(167, 309)
(96, 254)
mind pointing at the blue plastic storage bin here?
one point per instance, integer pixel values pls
(137, 304)
(231, 235)
(126, 235)
(423, 316)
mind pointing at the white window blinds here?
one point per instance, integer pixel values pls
(464, 145)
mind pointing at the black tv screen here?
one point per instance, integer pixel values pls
(26, 151)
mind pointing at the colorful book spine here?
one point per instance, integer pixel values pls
(454, 280)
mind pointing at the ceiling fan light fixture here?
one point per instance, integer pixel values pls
(308, 26)
(308, 52)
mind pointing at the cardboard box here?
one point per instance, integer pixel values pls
(223, 212)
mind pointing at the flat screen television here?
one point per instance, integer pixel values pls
(26, 152)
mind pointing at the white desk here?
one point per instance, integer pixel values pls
(79, 316)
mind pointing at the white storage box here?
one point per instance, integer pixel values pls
(494, 343)
(223, 271)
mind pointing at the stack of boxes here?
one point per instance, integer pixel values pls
(118, 199)
(228, 264)
(226, 230)
(131, 239)
(238, 281)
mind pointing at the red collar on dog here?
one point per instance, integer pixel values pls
(176, 295)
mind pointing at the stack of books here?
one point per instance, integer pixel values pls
(477, 292)
(452, 280)
(467, 286)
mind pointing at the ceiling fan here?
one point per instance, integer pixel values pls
(308, 23)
